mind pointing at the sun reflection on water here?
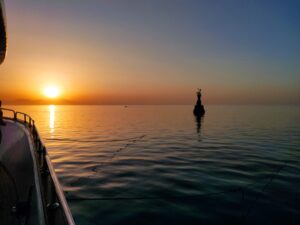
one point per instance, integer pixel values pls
(52, 118)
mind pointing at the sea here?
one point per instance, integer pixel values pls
(161, 165)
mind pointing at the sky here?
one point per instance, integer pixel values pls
(152, 52)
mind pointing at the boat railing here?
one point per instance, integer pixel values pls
(7, 116)
(53, 194)
(18, 116)
(25, 119)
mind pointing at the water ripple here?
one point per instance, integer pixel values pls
(159, 165)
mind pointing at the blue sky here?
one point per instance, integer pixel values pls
(237, 51)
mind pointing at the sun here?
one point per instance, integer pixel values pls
(51, 91)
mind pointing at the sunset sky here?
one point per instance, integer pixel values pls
(152, 52)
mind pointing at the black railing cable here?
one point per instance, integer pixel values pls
(93, 141)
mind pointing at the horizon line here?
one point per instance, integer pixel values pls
(162, 104)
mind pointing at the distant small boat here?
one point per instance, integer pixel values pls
(199, 108)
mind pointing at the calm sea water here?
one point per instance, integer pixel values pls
(161, 165)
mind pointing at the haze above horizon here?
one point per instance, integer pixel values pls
(152, 52)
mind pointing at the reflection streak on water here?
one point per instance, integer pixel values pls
(52, 118)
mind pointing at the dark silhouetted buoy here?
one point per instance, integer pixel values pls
(199, 108)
